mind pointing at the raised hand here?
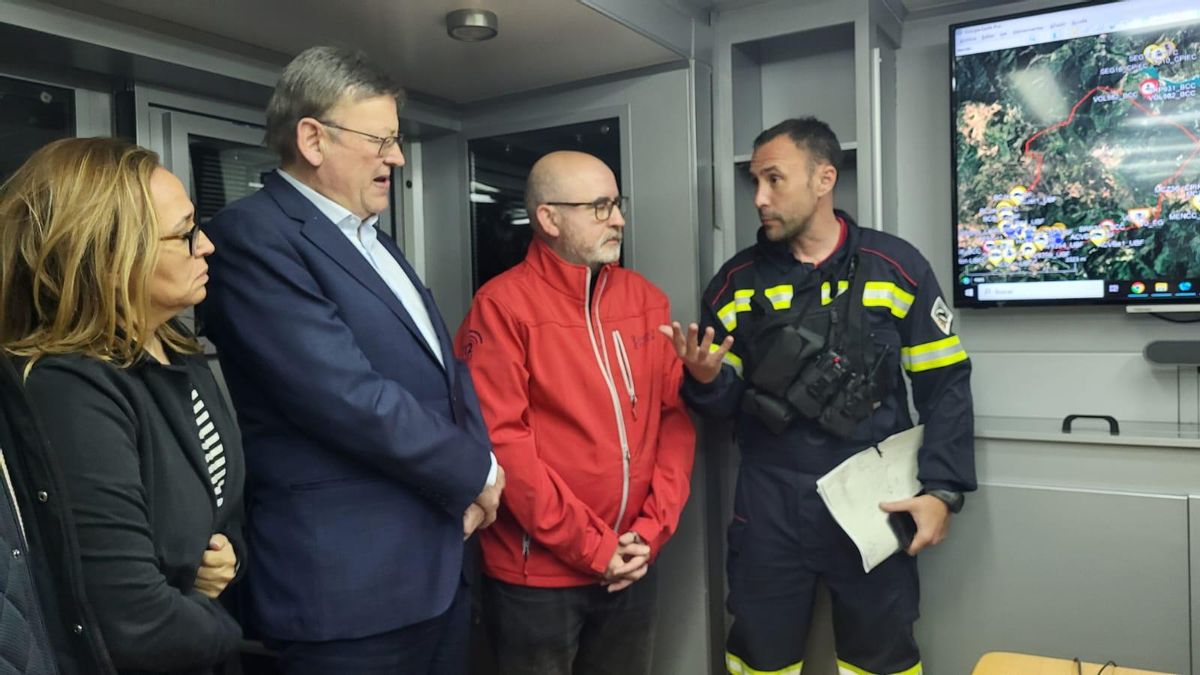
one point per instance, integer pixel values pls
(702, 362)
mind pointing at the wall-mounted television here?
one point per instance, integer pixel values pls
(1076, 153)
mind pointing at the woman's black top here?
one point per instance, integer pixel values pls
(141, 494)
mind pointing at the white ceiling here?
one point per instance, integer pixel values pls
(910, 6)
(540, 42)
(922, 5)
(946, 6)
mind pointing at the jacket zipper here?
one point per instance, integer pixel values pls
(606, 371)
(626, 371)
(525, 555)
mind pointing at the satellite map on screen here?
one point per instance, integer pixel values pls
(1080, 159)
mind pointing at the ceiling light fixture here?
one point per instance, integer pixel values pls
(472, 25)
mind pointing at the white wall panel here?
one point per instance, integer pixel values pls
(1041, 384)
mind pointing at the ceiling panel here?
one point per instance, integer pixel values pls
(910, 6)
(541, 42)
(709, 5)
(940, 6)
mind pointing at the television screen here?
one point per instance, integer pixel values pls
(1076, 141)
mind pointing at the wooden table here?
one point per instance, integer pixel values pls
(1009, 663)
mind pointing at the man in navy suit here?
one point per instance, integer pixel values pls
(368, 460)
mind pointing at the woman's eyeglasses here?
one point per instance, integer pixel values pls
(191, 237)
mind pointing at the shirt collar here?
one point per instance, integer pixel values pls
(336, 213)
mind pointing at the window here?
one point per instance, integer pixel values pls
(498, 167)
(31, 115)
(225, 171)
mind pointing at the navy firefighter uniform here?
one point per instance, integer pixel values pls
(816, 374)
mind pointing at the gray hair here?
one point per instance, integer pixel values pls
(312, 84)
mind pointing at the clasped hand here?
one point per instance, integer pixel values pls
(218, 566)
(482, 513)
(629, 563)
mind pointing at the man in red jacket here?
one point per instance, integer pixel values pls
(581, 397)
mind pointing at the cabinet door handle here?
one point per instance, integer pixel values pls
(1113, 427)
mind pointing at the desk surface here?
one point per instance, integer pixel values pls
(1008, 663)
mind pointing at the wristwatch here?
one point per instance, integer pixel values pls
(953, 500)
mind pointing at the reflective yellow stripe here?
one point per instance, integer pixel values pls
(917, 350)
(728, 313)
(728, 316)
(950, 360)
(737, 666)
(780, 296)
(825, 297)
(887, 294)
(931, 355)
(730, 358)
(850, 669)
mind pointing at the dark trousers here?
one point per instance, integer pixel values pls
(571, 631)
(438, 646)
(781, 541)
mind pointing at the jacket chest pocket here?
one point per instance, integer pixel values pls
(632, 367)
(886, 345)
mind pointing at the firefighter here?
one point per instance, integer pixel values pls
(804, 341)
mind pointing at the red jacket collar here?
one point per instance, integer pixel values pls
(567, 277)
(840, 242)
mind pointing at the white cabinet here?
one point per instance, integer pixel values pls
(793, 75)
(1059, 572)
(832, 60)
(1075, 545)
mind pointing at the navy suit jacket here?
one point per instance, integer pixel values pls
(362, 451)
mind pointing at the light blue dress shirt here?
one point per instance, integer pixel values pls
(363, 235)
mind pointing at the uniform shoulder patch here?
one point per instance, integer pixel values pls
(942, 317)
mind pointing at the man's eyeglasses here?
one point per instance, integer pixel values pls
(385, 142)
(191, 237)
(602, 207)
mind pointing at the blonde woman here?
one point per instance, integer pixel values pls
(99, 251)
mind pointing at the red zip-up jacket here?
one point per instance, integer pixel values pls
(583, 408)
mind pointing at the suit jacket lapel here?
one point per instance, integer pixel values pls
(326, 236)
(435, 317)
